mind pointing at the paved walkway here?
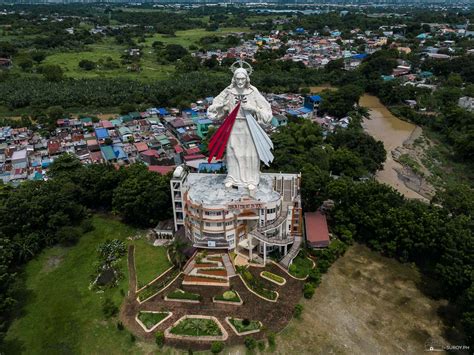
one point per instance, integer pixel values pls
(228, 265)
(295, 248)
(132, 275)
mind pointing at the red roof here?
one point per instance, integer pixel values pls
(317, 233)
(96, 156)
(194, 157)
(178, 148)
(151, 153)
(161, 169)
(141, 146)
(53, 147)
(106, 124)
(192, 151)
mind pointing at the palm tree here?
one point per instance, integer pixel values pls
(176, 252)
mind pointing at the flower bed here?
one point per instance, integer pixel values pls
(183, 295)
(220, 272)
(196, 327)
(205, 265)
(244, 326)
(150, 320)
(228, 297)
(273, 277)
(301, 266)
(157, 286)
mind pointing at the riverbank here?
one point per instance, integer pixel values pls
(397, 136)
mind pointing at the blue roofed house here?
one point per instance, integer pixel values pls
(279, 120)
(113, 153)
(210, 167)
(203, 127)
(101, 133)
(312, 102)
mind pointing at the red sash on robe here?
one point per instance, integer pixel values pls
(218, 142)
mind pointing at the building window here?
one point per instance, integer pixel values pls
(212, 213)
(219, 224)
(229, 223)
(208, 224)
(271, 210)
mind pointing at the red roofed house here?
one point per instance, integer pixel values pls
(53, 147)
(317, 233)
(161, 169)
(141, 146)
(192, 151)
(194, 157)
(106, 124)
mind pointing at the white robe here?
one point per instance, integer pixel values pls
(242, 159)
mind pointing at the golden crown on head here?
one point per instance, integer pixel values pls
(241, 64)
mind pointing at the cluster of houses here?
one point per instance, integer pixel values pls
(159, 137)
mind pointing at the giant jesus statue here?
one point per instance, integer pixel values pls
(244, 141)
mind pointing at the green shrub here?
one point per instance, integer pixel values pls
(261, 345)
(120, 326)
(87, 226)
(250, 343)
(228, 295)
(248, 275)
(298, 311)
(271, 340)
(132, 338)
(314, 277)
(217, 347)
(184, 295)
(245, 322)
(308, 290)
(160, 338)
(109, 308)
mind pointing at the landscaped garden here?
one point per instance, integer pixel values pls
(301, 266)
(150, 261)
(158, 285)
(197, 327)
(228, 296)
(150, 319)
(183, 295)
(256, 285)
(245, 325)
(273, 277)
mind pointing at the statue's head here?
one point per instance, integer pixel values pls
(241, 78)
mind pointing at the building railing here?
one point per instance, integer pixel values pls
(275, 241)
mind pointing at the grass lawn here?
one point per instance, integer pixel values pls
(189, 37)
(197, 327)
(61, 314)
(69, 61)
(244, 326)
(150, 261)
(300, 266)
(149, 319)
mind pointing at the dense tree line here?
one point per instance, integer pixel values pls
(98, 93)
(38, 214)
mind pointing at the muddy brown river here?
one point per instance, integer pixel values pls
(392, 131)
